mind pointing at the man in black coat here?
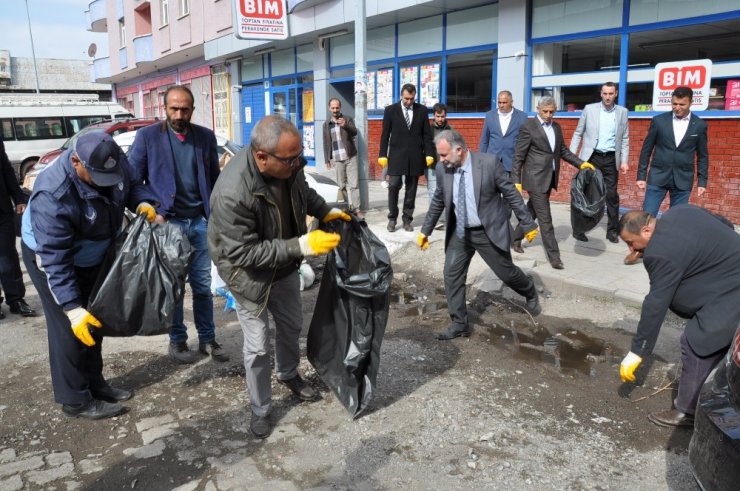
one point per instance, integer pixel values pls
(477, 197)
(692, 259)
(406, 148)
(12, 202)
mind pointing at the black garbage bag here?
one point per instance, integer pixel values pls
(587, 199)
(145, 280)
(350, 316)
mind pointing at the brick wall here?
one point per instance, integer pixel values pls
(723, 188)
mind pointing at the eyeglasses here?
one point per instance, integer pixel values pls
(287, 161)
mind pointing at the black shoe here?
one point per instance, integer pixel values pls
(94, 409)
(181, 353)
(300, 388)
(391, 225)
(612, 237)
(111, 394)
(582, 237)
(557, 264)
(516, 246)
(451, 333)
(20, 307)
(533, 304)
(260, 426)
(407, 227)
(215, 350)
(671, 418)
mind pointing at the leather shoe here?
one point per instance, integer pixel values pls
(300, 388)
(612, 237)
(260, 426)
(671, 418)
(111, 394)
(633, 258)
(407, 227)
(451, 333)
(94, 409)
(391, 225)
(516, 246)
(181, 353)
(582, 237)
(215, 350)
(20, 307)
(557, 264)
(533, 304)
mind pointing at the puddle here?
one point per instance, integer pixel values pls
(424, 308)
(568, 351)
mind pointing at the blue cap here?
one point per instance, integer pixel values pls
(101, 156)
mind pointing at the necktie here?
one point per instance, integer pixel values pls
(462, 210)
(408, 117)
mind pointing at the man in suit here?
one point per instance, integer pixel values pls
(477, 197)
(501, 129)
(179, 162)
(12, 202)
(340, 152)
(406, 148)
(603, 135)
(536, 168)
(675, 140)
(697, 276)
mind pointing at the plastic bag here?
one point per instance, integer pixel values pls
(587, 200)
(350, 316)
(137, 295)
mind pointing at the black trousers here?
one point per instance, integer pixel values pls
(694, 371)
(75, 368)
(409, 197)
(457, 261)
(539, 207)
(11, 276)
(607, 164)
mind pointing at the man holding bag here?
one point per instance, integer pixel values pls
(73, 217)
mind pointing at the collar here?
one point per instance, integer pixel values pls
(468, 163)
(688, 116)
(505, 114)
(542, 123)
(603, 108)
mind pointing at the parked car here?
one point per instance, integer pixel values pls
(714, 451)
(112, 127)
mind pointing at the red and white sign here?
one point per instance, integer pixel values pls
(260, 19)
(695, 74)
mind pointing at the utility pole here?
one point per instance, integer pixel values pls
(361, 102)
(33, 51)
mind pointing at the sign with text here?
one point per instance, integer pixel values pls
(695, 74)
(260, 19)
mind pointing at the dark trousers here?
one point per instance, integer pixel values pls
(75, 368)
(457, 260)
(11, 276)
(607, 164)
(409, 197)
(694, 371)
(539, 208)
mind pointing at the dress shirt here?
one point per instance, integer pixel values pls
(679, 127)
(504, 119)
(471, 208)
(550, 136)
(607, 129)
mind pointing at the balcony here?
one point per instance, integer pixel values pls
(100, 69)
(96, 18)
(143, 49)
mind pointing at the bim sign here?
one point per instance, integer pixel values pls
(260, 19)
(696, 75)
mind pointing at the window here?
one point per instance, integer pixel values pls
(420, 36)
(184, 7)
(472, 27)
(556, 17)
(122, 32)
(469, 82)
(165, 7)
(579, 55)
(648, 11)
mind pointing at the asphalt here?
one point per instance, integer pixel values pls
(594, 268)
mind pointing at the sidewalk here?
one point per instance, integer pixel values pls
(594, 268)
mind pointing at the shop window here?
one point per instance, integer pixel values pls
(251, 69)
(425, 75)
(420, 36)
(556, 17)
(472, 27)
(647, 11)
(724, 95)
(578, 55)
(469, 82)
(282, 62)
(379, 88)
(381, 44)
(718, 41)
(304, 58)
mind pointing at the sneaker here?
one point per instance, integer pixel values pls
(260, 426)
(300, 388)
(215, 350)
(181, 353)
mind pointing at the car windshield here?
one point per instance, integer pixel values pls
(74, 137)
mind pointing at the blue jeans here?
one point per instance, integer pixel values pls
(654, 197)
(199, 276)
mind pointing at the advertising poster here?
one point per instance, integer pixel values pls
(429, 85)
(308, 106)
(410, 75)
(732, 96)
(308, 141)
(384, 88)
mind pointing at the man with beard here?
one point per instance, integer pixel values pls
(179, 162)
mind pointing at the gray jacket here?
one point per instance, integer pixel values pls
(244, 229)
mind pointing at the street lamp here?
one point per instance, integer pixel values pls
(33, 51)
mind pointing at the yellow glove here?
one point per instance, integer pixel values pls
(423, 241)
(382, 161)
(587, 165)
(318, 242)
(518, 187)
(335, 213)
(81, 320)
(430, 161)
(530, 236)
(629, 366)
(147, 210)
